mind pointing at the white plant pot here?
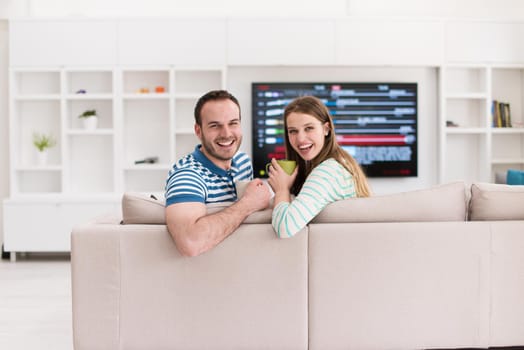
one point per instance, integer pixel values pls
(41, 157)
(90, 123)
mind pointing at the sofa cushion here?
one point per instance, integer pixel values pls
(496, 202)
(140, 208)
(440, 203)
(515, 177)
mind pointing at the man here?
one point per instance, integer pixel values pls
(207, 176)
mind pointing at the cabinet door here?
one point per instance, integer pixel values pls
(32, 227)
(484, 42)
(280, 41)
(366, 42)
(186, 42)
(46, 226)
(40, 42)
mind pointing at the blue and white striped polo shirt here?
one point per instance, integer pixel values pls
(194, 178)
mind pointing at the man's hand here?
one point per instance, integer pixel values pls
(256, 197)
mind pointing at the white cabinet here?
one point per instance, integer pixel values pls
(387, 42)
(471, 148)
(143, 113)
(168, 41)
(55, 42)
(281, 41)
(484, 41)
(45, 224)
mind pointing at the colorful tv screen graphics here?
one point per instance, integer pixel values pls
(374, 122)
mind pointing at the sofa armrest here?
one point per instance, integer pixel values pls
(95, 275)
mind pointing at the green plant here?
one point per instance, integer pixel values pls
(88, 113)
(43, 141)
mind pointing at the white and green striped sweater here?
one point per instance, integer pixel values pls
(327, 183)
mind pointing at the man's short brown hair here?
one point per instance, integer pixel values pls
(214, 95)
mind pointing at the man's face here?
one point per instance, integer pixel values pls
(220, 133)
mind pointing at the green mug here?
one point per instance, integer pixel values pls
(286, 164)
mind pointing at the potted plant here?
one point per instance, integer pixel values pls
(43, 142)
(89, 119)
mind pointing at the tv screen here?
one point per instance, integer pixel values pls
(374, 122)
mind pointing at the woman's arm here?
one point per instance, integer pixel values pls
(327, 183)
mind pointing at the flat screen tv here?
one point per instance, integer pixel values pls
(374, 122)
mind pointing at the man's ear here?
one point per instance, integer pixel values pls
(198, 131)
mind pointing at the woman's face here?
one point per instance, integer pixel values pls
(306, 134)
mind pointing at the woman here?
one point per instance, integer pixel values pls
(325, 173)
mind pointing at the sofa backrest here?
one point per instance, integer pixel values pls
(440, 203)
(449, 202)
(496, 202)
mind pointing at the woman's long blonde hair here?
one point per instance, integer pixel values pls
(312, 106)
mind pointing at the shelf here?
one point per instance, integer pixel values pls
(185, 131)
(146, 96)
(466, 96)
(147, 167)
(90, 81)
(49, 97)
(89, 96)
(35, 82)
(468, 131)
(73, 132)
(507, 130)
(188, 96)
(139, 79)
(39, 168)
(507, 161)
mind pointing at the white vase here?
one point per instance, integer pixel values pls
(90, 123)
(41, 157)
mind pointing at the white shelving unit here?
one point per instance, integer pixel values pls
(474, 150)
(143, 113)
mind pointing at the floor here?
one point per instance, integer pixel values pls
(35, 303)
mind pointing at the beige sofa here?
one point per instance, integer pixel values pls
(403, 271)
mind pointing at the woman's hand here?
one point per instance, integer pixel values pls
(279, 180)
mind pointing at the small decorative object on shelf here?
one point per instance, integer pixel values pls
(450, 123)
(43, 142)
(89, 119)
(160, 89)
(144, 90)
(81, 91)
(148, 160)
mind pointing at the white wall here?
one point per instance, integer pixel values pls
(482, 9)
(486, 9)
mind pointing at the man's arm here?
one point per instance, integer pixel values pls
(195, 232)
